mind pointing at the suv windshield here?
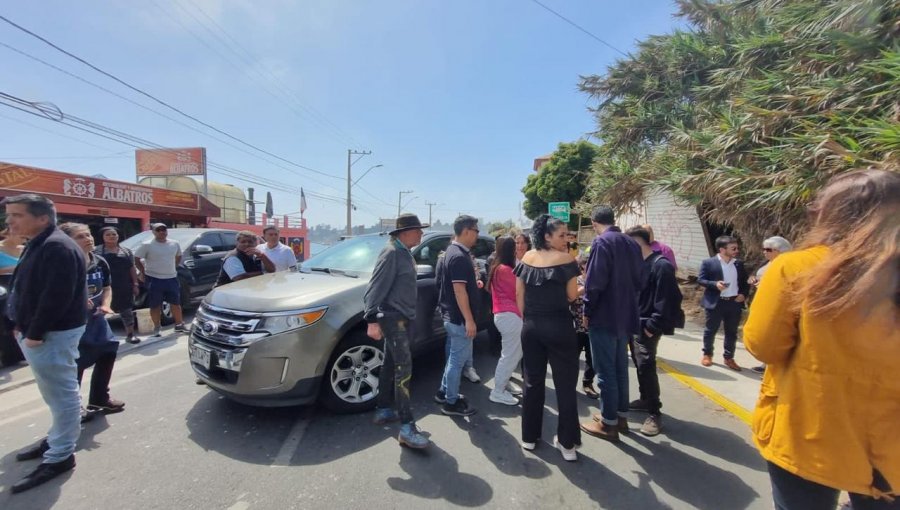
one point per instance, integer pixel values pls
(357, 254)
(184, 238)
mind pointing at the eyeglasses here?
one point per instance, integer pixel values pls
(767, 250)
(475, 230)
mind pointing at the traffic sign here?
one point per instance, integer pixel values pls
(559, 210)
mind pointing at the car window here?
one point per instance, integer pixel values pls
(428, 252)
(212, 240)
(483, 248)
(229, 240)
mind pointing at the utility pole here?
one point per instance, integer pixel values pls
(351, 152)
(400, 200)
(430, 204)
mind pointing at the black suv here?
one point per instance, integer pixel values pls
(202, 251)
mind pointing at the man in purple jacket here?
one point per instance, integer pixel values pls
(611, 287)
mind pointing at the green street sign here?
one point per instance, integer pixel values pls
(559, 210)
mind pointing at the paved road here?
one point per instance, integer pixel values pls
(180, 445)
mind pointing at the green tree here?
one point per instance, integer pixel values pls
(750, 110)
(562, 179)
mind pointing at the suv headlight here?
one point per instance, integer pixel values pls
(280, 322)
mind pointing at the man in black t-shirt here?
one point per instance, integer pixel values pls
(458, 297)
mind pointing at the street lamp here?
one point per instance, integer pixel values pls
(400, 200)
(367, 171)
(351, 153)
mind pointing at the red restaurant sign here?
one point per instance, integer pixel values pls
(44, 182)
(167, 162)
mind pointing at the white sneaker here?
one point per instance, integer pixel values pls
(503, 397)
(528, 446)
(568, 454)
(471, 375)
(513, 388)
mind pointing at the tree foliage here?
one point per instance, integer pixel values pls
(562, 179)
(751, 109)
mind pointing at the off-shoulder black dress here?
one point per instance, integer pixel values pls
(548, 335)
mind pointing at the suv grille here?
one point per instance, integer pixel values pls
(221, 327)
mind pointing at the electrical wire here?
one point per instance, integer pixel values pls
(579, 27)
(160, 101)
(253, 62)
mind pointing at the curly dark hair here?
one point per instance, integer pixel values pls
(544, 224)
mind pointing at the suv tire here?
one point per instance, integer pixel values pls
(350, 382)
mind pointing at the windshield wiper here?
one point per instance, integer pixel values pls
(334, 271)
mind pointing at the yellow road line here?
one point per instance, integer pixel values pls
(742, 414)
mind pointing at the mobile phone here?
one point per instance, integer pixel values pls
(727, 285)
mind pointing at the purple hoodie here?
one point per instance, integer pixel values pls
(613, 282)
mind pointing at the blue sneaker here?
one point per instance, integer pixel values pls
(384, 415)
(411, 437)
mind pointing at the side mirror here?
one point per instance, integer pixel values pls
(2, 292)
(202, 249)
(424, 271)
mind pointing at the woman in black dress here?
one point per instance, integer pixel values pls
(124, 278)
(545, 286)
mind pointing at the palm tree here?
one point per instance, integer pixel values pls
(752, 109)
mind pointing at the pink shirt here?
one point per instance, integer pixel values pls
(503, 290)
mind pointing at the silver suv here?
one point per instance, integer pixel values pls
(289, 338)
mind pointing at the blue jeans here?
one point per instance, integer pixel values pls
(610, 354)
(56, 375)
(459, 349)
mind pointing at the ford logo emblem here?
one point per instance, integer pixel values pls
(210, 328)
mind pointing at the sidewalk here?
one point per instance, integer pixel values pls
(679, 356)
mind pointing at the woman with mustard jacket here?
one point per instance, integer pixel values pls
(825, 320)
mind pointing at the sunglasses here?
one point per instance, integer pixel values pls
(475, 230)
(767, 250)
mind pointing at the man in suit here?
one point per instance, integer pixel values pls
(725, 281)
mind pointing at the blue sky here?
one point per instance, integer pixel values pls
(454, 98)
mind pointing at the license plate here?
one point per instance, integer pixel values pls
(200, 356)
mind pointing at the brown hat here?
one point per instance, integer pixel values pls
(407, 221)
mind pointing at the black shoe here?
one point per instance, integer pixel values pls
(111, 406)
(441, 398)
(132, 339)
(34, 452)
(87, 416)
(458, 408)
(179, 328)
(44, 473)
(759, 370)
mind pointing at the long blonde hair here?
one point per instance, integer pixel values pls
(857, 215)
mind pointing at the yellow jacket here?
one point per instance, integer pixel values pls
(829, 405)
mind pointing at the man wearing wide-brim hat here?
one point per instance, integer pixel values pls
(390, 313)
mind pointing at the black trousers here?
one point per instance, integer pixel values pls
(550, 339)
(103, 363)
(584, 344)
(396, 372)
(643, 354)
(729, 314)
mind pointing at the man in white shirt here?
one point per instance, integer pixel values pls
(158, 259)
(725, 281)
(280, 254)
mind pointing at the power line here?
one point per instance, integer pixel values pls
(280, 85)
(159, 101)
(160, 114)
(51, 112)
(579, 27)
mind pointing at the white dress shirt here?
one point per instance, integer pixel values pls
(729, 276)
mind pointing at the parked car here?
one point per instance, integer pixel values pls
(291, 338)
(202, 251)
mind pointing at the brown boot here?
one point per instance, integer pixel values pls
(601, 430)
(622, 426)
(706, 361)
